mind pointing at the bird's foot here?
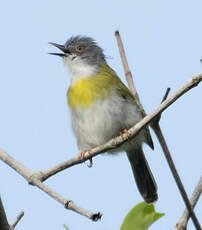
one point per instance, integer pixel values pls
(83, 155)
(125, 131)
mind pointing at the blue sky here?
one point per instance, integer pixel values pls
(163, 46)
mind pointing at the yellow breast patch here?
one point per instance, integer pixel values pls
(85, 91)
(82, 93)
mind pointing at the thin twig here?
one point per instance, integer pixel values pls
(173, 169)
(69, 204)
(166, 95)
(155, 125)
(128, 73)
(18, 218)
(3, 219)
(157, 118)
(158, 132)
(182, 224)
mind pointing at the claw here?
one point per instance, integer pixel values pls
(91, 163)
(83, 155)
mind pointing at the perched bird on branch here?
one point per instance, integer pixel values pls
(102, 107)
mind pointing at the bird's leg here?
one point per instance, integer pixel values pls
(83, 155)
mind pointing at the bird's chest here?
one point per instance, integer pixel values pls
(85, 92)
(93, 118)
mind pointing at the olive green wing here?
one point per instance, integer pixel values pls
(125, 93)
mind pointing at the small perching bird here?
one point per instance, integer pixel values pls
(102, 107)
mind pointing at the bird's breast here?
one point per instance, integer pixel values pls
(86, 91)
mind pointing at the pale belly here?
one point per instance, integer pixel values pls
(104, 120)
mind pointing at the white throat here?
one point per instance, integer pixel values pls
(78, 68)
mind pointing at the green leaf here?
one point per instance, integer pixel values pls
(141, 217)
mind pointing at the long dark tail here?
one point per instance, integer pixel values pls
(143, 175)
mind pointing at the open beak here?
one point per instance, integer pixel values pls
(62, 48)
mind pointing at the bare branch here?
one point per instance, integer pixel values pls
(18, 218)
(166, 95)
(128, 73)
(3, 219)
(182, 224)
(157, 118)
(176, 176)
(155, 125)
(34, 178)
(67, 203)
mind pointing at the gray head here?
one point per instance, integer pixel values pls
(83, 48)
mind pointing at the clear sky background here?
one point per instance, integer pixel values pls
(163, 41)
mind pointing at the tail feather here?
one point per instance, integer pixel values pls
(143, 175)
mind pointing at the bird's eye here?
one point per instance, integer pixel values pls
(80, 49)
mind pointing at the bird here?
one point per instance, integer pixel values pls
(102, 107)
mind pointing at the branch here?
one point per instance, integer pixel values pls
(18, 218)
(155, 126)
(34, 178)
(176, 176)
(117, 141)
(128, 73)
(158, 118)
(4, 225)
(181, 225)
(3, 219)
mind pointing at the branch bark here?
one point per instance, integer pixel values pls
(182, 224)
(4, 225)
(176, 176)
(3, 219)
(128, 73)
(18, 218)
(34, 178)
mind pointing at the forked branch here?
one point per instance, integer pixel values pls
(182, 224)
